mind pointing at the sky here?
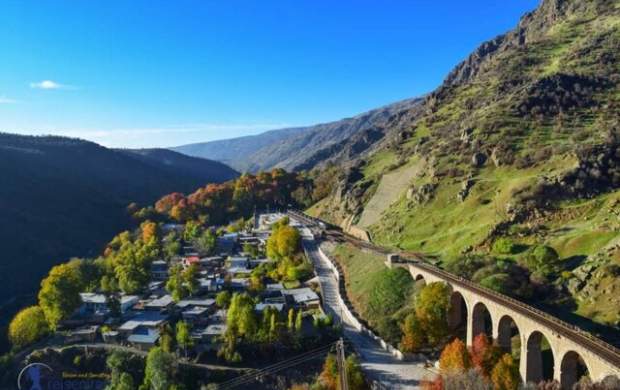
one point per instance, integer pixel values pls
(154, 73)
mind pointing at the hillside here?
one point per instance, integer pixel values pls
(519, 145)
(304, 147)
(62, 197)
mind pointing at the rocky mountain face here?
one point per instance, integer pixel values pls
(305, 147)
(519, 142)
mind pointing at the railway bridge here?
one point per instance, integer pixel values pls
(548, 348)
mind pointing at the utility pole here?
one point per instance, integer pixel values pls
(342, 365)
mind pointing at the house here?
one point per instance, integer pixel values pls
(260, 307)
(160, 304)
(240, 283)
(238, 265)
(169, 227)
(159, 270)
(144, 338)
(207, 285)
(211, 263)
(226, 243)
(213, 332)
(93, 303)
(206, 303)
(86, 334)
(111, 337)
(191, 259)
(302, 297)
(219, 317)
(145, 319)
(196, 315)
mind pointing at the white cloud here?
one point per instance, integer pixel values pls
(49, 84)
(6, 100)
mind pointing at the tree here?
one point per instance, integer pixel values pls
(222, 299)
(355, 377)
(60, 293)
(184, 336)
(192, 231)
(299, 321)
(431, 308)
(190, 279)
(166, 339)
(484, 355)
(542, 259)
(328, 378)
(291, 319)
(503, 246)
(150, 231)
(159, 369)
(250, 250)
(125, 370)
(470, 380)
(454, 358)
(176, 283)
(413, 334)
(205, 243)
(505, 374)
(27, 327)
(391, 288)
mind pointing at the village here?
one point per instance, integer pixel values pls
(138, 321)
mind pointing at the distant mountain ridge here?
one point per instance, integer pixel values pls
(63, 197)
(302, 147)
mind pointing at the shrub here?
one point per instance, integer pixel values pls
(504, 246)
(542, 259)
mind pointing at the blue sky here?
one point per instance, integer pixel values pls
(163, 73)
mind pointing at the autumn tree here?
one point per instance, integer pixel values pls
(413, 334)
(149, 230)
(328, 378)
(27, 327)
(484, 355)
(505, 374)
(454, 358)
(431, 308)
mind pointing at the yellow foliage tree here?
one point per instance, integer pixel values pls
(28, 326)
(505, 374)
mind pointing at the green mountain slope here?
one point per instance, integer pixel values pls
(520, 142)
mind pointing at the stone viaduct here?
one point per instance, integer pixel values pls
(513, 324)
(548, 348)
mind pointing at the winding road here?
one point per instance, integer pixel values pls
(385, 370)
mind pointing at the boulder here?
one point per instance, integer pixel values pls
(478, 159)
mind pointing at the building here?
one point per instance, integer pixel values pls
(225, 244)
(260, 307)
(159, 270)
(160, 304)
(94, 304)
(144, 338)
(151, 320)
(302, 297)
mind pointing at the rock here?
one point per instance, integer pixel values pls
(574, 285)
(478, 159)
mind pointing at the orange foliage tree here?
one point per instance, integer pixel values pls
(505, 374)
(484, 355)
(455, 358)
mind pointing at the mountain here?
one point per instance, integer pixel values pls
(304, 147)
(519, 145)
(62, 197)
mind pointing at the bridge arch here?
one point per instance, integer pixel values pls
(457, 315)
(481, 321)
(572, 368)
(539, 358)
(507, 330)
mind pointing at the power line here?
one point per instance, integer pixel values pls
(309, 355)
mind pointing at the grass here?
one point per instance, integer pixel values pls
(359, 267)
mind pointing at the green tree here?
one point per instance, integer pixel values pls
(504, 246)
(291, 319)
(431, 307)
(192, 231)
(391, 289)
(299, 321)
(176, 283)
(125, 368)
(27, 327)
(355, 376)
(159, 370)
(542, 259)
(166, 339)
(190, 279)
(205, 243)
(60, 293)
(184, 336)
(222, 299)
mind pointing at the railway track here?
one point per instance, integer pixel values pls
(599, 347)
